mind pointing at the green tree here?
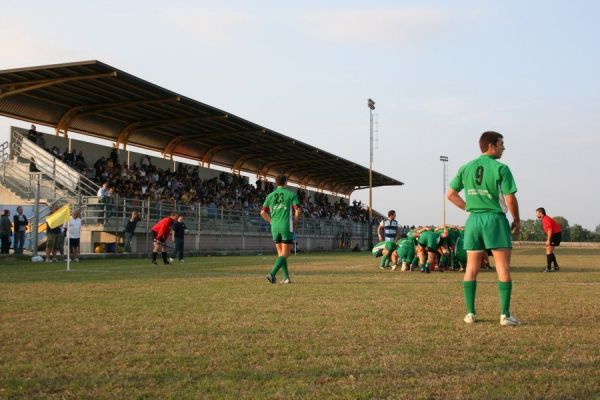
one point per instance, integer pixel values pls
(579, 233)
(531, 230)
(564, 228)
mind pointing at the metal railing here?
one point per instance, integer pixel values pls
(63, 176)
(113, 214)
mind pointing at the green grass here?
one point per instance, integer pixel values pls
(215, 328)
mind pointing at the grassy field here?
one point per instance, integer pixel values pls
(213, 327)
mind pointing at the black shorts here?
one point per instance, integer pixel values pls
(73, 242)
(556, 239)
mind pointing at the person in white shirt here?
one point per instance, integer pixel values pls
(74, 231)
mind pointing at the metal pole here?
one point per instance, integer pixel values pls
(36, 211)
(444, 160)
(371, 105)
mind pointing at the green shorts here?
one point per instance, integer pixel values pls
(389, 245)
(405, 254)
(430, 243)
(487, 230)
(282, 236)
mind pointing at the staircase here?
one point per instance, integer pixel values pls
(59, 184)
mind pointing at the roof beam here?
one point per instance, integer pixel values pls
(64, 123)
(126, 132)
(213, 151)
(10, 89)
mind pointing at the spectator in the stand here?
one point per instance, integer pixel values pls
(56, 152)
(20, 224)
(32, 134)
(5, 232)
(110, 202)
(32, 166)
(41, 141)
(114, 156)
(80, 161)
(70, 157)
(102, 200)
(130, 230)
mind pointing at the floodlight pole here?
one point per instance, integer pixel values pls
(444, 160)
(371, 105)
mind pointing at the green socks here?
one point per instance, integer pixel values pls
(444, 261)
(469, 288)
(284, 269)
(384, 261)
(278, 264)
(505, 289)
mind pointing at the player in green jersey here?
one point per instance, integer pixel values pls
(428, 243)
(405, 252)
(387, 251)
(486, 183)
(281, 209)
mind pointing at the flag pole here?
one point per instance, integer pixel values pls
(68, 245)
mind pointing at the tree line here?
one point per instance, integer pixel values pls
(531, 230)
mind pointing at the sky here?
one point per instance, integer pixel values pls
(440, 73)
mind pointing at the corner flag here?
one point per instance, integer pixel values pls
(59, 217)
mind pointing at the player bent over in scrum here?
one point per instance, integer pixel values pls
(387, 251)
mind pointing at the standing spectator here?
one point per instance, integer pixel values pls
(553, 238)
(484, 180)
(20, 224)
(32, 134)
(74, 233)
(32, 166)
(53, 239)
(179, 231)
(5, 232)
(102, 199)
(130, 230)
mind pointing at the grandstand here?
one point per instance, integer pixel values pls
(221, 208)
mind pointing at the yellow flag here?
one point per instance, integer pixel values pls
(59, 217)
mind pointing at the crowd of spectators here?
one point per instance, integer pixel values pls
(185, 186)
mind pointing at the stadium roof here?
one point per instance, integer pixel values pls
(96, 99)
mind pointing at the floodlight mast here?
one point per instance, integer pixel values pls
(444, 160)
(371, 105)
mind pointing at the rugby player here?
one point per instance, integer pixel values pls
(484, 181)
(281, 209)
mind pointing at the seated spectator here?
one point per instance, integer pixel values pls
(32, 134)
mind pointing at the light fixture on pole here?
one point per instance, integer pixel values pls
(444, 160)
(371, 105)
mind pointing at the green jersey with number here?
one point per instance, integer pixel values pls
(484, 179)
(280, 203)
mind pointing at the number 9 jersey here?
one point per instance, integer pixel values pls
(484, 179)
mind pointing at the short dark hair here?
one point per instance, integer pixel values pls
(487, 138)
(391, 212)
(542, 210)
(281, 180)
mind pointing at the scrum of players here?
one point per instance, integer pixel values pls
(426, 249)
